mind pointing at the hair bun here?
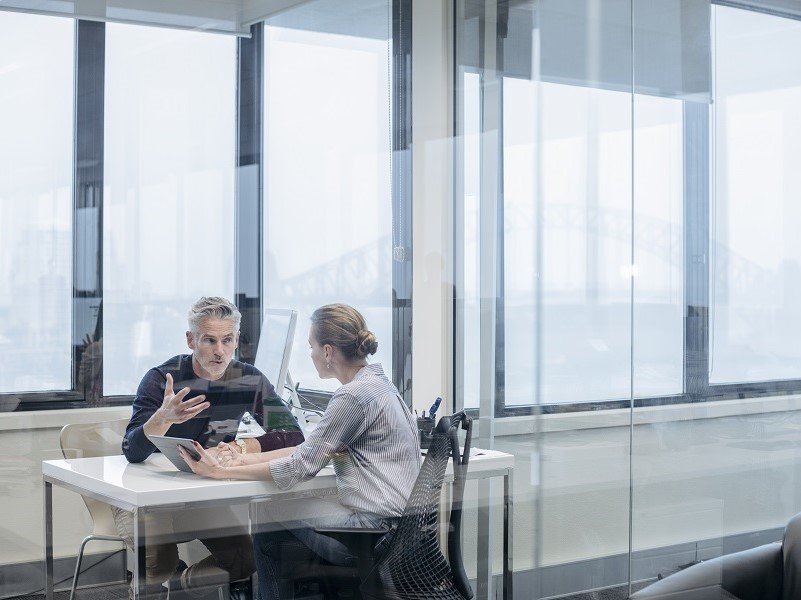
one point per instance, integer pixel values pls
(366, 343)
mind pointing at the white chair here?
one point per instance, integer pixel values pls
(84, 441)
(100, 439)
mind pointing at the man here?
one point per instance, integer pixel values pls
(217, 398)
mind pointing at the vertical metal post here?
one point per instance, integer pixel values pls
(696, 245)
(501, 31)
(87, 233)
(248, 282)
(140, 546)
(401, 184)
(48, 537)
(508, 540)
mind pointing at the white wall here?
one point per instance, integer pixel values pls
(431, 192)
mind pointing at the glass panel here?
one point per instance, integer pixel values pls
(327, 132)
(583, 188)
(715, 474)
(658, 272)
(756, 249)
(36, 122)
(168, 227)
(585, 180)
(469, 302)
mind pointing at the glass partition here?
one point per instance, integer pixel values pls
(713, 473)
(625, 265)
(616, 307)
(624, 278)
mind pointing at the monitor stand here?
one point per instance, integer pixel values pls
(306, 419)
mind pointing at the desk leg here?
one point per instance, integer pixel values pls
(484, 545)
(508, 518)
(139, 541)
(48, 539)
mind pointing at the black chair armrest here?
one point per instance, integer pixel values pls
(353, 530)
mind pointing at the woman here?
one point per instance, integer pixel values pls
(367, 431)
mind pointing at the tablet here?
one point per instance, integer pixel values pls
(169, 448)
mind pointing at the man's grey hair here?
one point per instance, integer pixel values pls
(212, 306)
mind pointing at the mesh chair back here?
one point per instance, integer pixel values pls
(413, 565)
(85, 440)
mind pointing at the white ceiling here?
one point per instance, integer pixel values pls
(223, 16)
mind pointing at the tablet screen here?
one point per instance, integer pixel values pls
(169, 448)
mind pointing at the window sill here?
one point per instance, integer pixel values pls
(527, 425)
(51, 419)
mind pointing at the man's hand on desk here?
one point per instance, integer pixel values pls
(174, 409)
(226, 455)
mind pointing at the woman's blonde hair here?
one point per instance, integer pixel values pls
(343, 327)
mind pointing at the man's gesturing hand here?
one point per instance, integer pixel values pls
(174, 409)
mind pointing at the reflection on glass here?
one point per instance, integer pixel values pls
(328, 211)
(755, 246)
(168, 228)
(36, 123)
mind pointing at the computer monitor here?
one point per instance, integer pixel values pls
(275, 345)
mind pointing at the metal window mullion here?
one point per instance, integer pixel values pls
(401, 168)
(248, 283)
(87, 230)
(696, 247)
(501, 29)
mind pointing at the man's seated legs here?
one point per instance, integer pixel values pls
(218, 529)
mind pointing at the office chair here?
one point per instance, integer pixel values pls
(84, 441)
(406, 562)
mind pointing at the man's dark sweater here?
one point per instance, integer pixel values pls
(242, 388)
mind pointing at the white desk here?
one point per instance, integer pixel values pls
(157, 484)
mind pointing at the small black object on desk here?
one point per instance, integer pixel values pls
(425, 427)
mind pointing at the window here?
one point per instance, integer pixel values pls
(327, 187)
(755, 248)
(591, 194)
(36, 121)
(583, 174)
(168, 228)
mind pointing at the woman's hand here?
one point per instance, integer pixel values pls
(207, 466)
